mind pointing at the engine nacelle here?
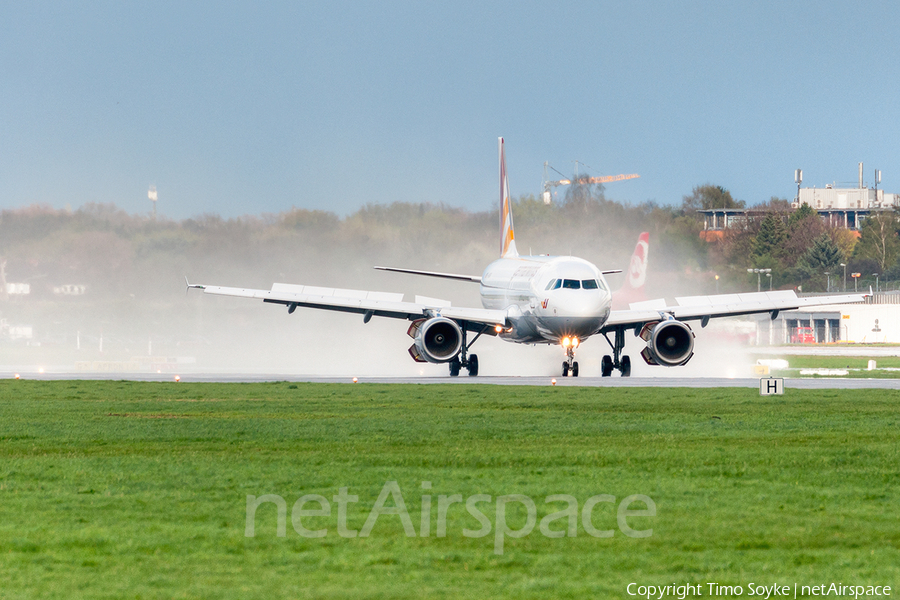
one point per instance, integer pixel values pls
(436, 340)
(669, 343)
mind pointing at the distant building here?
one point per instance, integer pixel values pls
(18, 289)
(877, 321)
(845, 207)
(69, 290)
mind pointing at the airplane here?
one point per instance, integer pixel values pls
(542, 299)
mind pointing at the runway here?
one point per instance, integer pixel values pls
(822, 383)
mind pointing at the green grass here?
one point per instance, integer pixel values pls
(858, 366)
(840, 362)
(138, 490)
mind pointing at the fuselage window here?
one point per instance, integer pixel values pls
(551, 284)
(589, 284)
(571, 284)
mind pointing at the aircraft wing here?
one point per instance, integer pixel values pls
(692, 308)
(378, 304)
(456, 276)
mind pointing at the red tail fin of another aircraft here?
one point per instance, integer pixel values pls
(633, 288)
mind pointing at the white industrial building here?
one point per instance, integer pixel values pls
(839, 206)
(877, 321)
(846, 198)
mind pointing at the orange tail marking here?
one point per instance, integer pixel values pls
(507, 235)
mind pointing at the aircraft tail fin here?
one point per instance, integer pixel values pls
(507, 236)
(633, 288)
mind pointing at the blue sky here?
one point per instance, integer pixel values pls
(243, 108)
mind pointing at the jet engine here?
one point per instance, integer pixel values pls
(436, 340)
(669, 343)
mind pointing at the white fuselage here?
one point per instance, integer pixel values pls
(547, 298)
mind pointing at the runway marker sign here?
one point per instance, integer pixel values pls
(769, 386)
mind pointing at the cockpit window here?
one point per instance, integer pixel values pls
(551, 284)
(589, 284)
(558, 284)
(571, 284)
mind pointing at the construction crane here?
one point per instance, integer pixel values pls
(548, 197)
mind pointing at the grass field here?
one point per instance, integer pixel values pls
(841, 362)
(886, 367)
(139, 490)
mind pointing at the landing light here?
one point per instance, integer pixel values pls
(566, 342)
(498, 328)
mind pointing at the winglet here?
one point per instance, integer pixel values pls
(189, 285)
(507, 236)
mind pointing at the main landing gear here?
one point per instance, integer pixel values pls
(464, 360)
(617, 361)
(471, 365)
(569, 365)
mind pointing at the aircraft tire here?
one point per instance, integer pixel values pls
(606, 366)
(575, 369)
(626, 366)
(473, 365)
(565, 369)
(454, 367)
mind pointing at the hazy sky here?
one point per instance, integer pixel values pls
(249, 107)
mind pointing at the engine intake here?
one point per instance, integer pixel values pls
(669, 343)
(435, 340)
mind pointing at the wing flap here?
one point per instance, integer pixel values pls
(777, 296)
(309, 290)
(479, 315)
(657, 304)
(432, 302)
(381, 304)
(723, 305)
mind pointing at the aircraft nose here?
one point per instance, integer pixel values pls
(580, 304)
(578, 314)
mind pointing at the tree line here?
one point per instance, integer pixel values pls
(113, 252)
(802, 249)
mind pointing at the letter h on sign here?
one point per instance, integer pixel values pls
(771, 385)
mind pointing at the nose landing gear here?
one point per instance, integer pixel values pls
(569, 365)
